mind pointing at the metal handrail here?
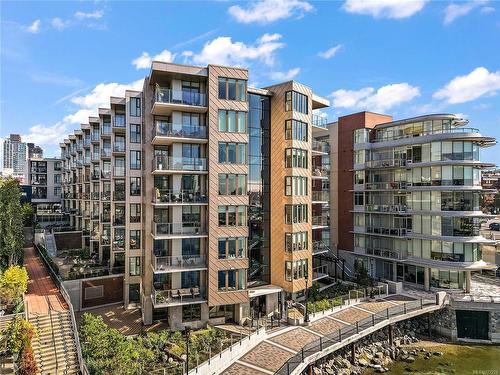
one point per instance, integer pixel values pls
(52, 332)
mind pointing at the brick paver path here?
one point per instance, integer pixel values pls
(295, 339)
(269, 357)
(40, 286)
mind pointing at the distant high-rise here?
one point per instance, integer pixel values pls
(34, 151)
(14, 157)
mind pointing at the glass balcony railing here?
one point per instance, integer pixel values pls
(119, 171)
(118, 220)
(105, 195)
(321, 146)
(185, 228)
(166, 163)
(385, 207)
(321, 221)
(395, 185)
(171, 297)
(178, 196)
(320, 272)
(119, 121)
(118, 195)
(387, 137)
(172, 263)
(399, 232)
(106, 128)
(165, 95)
(106, 175)
(320, 171)
(386, 253)
(319, 121)
(167, 129)
(105, 152)
(320, 247)
(320, 196)
(119, 147)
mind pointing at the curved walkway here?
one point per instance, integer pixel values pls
(285, 353)
(40, 286)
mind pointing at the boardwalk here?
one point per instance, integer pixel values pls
(41, 288)
(269, 355)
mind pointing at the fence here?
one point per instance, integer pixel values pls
(57, 280)
(346, 332)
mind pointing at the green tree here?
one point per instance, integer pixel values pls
(11, 223)
(27, 212)
(13, 283)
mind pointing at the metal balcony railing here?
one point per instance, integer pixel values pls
(171, 263)
(167, 129)
(171, 163)
(319, 121)
(186, 228)
(178, 296)
(320, 196)
(320, 146)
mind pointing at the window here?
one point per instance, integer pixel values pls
(231, 280)
(296, 213)
(134, 266)
(232, 89)
(296, 269)
(295, 101)
(232, 247)
(57, 191)
(296, 130)
(232, 184)
(296, 241)
(359, 199)
(135, 212)
(135, 133)
(135, 186)
(135, 160)
(296, 185)
(232, 121)
(135, 239)
(296, 158)
(135, 107)
(233, 153)
(57, 179)
(191, 312)
(232, 216)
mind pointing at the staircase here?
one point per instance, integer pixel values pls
(330, 254)
(54, 345)
(50, 244)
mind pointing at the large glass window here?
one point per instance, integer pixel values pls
(296, 158)
(296, 130)
(232, 89)
(134, 266)
(232, 121)
(297, 241)
(296, 186)
(296, 213)
(232, 153)
(232, 184)
(135, 107)
(232, 215)
(135, 133)
(135, 159)
(295, 101)
(232, 247)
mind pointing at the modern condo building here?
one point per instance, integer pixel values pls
(208, 195)
(407, 197)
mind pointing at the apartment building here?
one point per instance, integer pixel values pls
(199, 189)
(407, 197)
(45, 178)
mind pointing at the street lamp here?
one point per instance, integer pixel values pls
(187, 333)
(306, 315)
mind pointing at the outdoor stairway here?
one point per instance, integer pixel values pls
(54, 346)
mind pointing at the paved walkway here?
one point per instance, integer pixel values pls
(41, 288)
(269, 355)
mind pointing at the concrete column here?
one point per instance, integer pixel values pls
(391, 335)
(394, 271)
(353, 353)
(468, 281)
(427, 278)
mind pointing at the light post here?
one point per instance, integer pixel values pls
(306, 315)
(187, 333)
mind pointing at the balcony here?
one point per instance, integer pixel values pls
(386, 163)
(320, 196)
(118, 221)
(168, 100)
(106, 175)
(395, 185)
(171, 197)
(105, 196)
(397, 208)
(166, 264)
(320, 221)
(95, 138)
(384, 253)
(105, 153)
(186, 229)
(319, 121)
(320, 272)
(178, 297)
(118, 196)
(320, 247)
(118, 171)
(386, 231)
(106, 218)
(94, 196)
(106, 129)
(119, 122)
(320, 172)
(95, 176)
(162, 164)
(386, 137)
(165, 133)
(119, 148)
(320, 147)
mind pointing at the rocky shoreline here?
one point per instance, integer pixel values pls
(374, 351)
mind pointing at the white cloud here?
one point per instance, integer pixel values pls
(487, 9)
(95, 14)
(59, 24)
(34, 28)
(329, 53)
(224, 51)
(367, 98)
(395, 9)
(87, 105)
(144, 61)
(454, 11)
(284, 76)
(46, 135)
(461, 89)
(267, 11)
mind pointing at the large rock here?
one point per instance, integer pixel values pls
(410, 359)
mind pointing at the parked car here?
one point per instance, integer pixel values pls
(495, 226)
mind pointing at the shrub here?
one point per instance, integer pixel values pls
(13, 284)
(18, 335)
(27, 365)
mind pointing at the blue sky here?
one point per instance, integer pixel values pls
(61, 60)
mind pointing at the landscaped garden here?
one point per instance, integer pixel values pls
(107, 351)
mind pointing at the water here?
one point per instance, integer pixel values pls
(457, 359)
